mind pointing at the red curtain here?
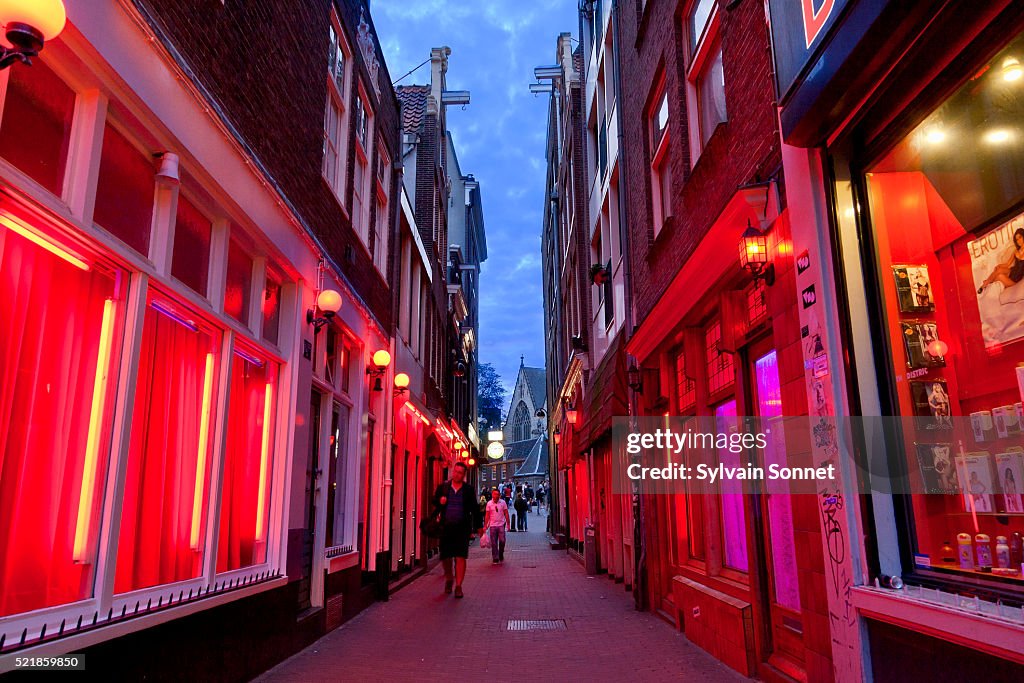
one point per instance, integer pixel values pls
(155, 544)
(51, 315)
(238, 545)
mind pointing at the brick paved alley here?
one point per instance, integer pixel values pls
(423, 634)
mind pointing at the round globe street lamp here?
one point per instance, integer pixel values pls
(27, 25)
(328, 302)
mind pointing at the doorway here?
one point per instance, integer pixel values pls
(781, 600)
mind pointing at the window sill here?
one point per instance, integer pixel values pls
(998, 636)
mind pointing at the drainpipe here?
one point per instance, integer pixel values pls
(639, 548)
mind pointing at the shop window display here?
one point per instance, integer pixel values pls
(947, 211)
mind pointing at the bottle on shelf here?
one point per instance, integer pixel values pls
(983, 546)
(947, 552)
(1002, 552)
(964, 551)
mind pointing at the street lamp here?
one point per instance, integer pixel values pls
(754, 255)
(401, 383)
(558, 436)
(381, 360)
(28, 24)
(327, 301)
(571, 414)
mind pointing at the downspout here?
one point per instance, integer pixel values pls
(639, 548)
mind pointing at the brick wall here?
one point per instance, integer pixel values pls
(265, 66)
(743, 150)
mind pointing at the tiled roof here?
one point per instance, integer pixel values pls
(537, 382)
(536, 462)
(414, 105)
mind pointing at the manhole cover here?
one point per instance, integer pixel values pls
(536, 625)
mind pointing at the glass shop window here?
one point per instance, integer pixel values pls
(248, 463)
(239, 283)
(35, 130)
(947, 207)
(124, 191)
(167, 484)
(60, 322)
(192, 234)
(272, 306)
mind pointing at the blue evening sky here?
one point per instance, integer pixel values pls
(499, 138)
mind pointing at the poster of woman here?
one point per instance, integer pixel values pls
(997, 264)
(1010, 471)
(974, 472)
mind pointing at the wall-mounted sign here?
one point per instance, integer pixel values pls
(798, 27)
(809, 297)
(495, 450)
(803, 262)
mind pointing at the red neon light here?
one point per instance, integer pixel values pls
(412, 409)
(204, 438)
(82, 554)
(12, 223)
(264, 455)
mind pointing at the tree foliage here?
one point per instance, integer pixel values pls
(491, 395)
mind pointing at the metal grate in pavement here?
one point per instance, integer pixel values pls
(536, 624)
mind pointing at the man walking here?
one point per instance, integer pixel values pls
(521, 507)
(496, 521)
(455, 502)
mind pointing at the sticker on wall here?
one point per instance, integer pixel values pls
(819, 366)
(809, 297)
(803, 262)
(805, 331)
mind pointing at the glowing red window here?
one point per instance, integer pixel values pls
(239, 283)
(36, 126)
(248, 464)
(167, 484)
(686, 388)
(124, 191)
(191, 260)
(60, 320)
(272, 306)
(721, 371)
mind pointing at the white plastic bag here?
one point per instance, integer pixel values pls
(485, 539)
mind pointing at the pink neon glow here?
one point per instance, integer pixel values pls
(12, 223)
(82, 554)
(204, 439)
(264, 455)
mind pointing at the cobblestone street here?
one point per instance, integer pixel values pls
(423, 634)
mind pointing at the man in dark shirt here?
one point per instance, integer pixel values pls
(521, 506)
(455, 502)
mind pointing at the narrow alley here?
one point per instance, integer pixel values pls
(429, 635)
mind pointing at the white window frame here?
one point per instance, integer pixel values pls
(362, 193)
(382, 227)
(336, 114)
(661, 206)
(700, 50)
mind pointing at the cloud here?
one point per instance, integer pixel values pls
(499, 138)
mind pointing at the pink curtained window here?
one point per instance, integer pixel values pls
(163, 518)
(245, 498)
(734, 528)
(57, 332)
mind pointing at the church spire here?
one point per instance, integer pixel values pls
(522, 360)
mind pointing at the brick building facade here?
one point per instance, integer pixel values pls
(221, 190)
